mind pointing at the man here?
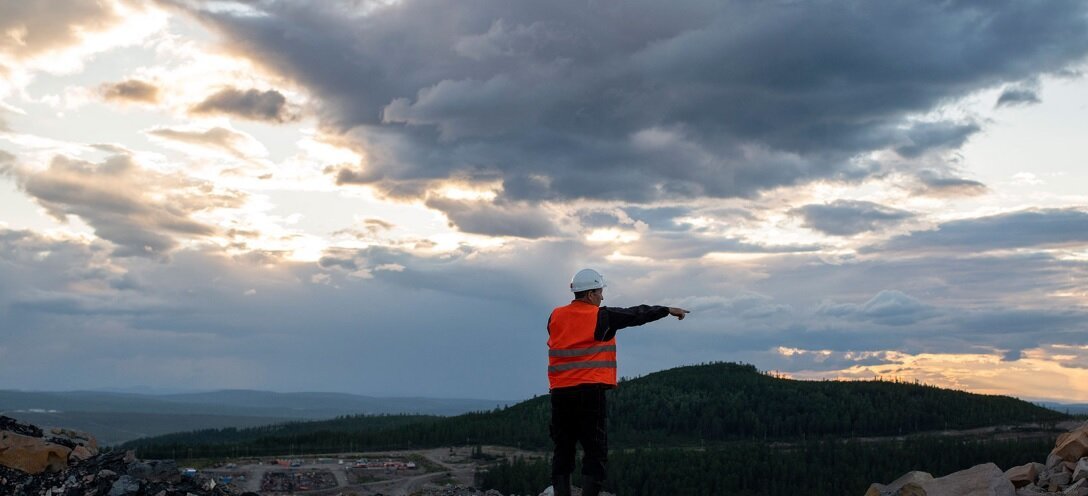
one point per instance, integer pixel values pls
(581, 366)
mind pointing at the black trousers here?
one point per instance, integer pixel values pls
(579, 416)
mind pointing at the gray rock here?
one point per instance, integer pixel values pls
(980, 480)
(1061, 479)
(139, 470)
(1023, 475)
(125, 485)
(1081, 471)
(893, 488)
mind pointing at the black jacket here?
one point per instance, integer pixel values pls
(612, 319)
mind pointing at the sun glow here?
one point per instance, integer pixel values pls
(1057, 372)
(612, 235)
(468, 191)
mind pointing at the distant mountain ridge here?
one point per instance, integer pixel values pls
(1070, 408)
(244, 402)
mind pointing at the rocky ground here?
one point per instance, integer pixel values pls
(62, 462)
(1065, 473)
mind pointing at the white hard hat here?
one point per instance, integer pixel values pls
(585, 280)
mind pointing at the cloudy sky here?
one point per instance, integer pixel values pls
(388, 197)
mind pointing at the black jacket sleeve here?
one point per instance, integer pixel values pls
(612, 319)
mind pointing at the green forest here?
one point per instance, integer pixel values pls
(812, 468)
(718, 428)
(686, 406)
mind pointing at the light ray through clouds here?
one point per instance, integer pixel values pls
(388, 197)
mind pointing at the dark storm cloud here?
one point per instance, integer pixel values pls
(927, 136)
(1014, 322)
(846, 217)
(941, 184)
(140, 211)
(1015, 329)
(684, 245)
(641, 101)
(1012, 355)
(251, 104)
(133, 90)
(344, 260)
(501, 219)
(1018, 95)
(658, 218)
(1028, 228)
(956, 302)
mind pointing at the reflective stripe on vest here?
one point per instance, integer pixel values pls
(574, 356)
(581, 352)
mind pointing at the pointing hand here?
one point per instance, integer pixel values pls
(679, 313)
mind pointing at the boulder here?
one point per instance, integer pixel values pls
(1023, 475)
(139, 470)
(113, 473)
(80, 453)
(11, 425)
(77, 438)
(164, 471)
(1080, 472)
(893, 488)
(125, 485)
(1059, 481)
(981, 480)
(1072, 446)
(32, 455)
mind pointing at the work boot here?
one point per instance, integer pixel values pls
(591, 486)
(561, 485)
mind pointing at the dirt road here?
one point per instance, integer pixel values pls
(442, 466)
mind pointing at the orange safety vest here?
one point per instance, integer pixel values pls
(574, 357)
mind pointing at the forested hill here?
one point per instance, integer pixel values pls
(682, 406)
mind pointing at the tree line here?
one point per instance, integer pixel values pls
(814, 468)
(697, 405)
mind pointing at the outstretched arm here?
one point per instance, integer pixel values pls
(612, 319)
